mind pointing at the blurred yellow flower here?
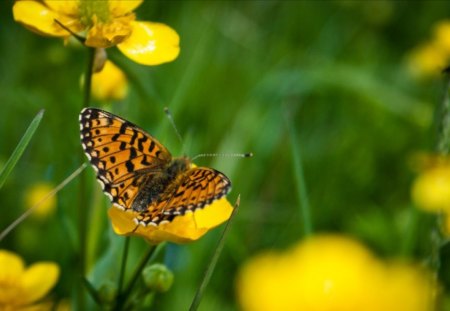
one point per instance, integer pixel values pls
(427, 60)
(330, 272)
(35, 194)
(181, 229)
(442, 36)
(430, 190)
(103, 24)
(21, 287)
(430, 58)
(110, 83)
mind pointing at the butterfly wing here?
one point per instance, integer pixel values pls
(196, 188)
(122, 154)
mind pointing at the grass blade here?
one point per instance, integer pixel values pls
(302, 193)
(20, 148)
(212, 264)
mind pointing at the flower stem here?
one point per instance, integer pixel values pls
(124, 263)
(88, 77)
(122, 296)
(82, 210)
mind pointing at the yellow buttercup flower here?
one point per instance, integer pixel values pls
(21, 287)
(430, 58)
(103, 24)
(35, 194)
(427, 60)
(181, 229)
(331, 272)
(430, 190)
(110, 83)
(442, 35)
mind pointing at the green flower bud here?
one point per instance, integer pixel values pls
(158, 278)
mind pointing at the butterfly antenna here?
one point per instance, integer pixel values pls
(228, 155)
(171, 120)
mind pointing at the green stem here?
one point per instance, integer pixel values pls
(124, 263)
(122, 296)
(82, 210)
(302, 193)
(406, 247)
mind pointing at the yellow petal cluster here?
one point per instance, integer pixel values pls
(20, 286)
(181, 229)
(430, 190)
(103, 24)
(430, 58)
(110, 83)
(331, 272)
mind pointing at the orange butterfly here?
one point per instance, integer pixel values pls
(139, 174)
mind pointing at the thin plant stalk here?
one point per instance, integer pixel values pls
(126, 247)
(302, 193)
(53, 192)
(122, 296)
(212, 263)
(82, 209)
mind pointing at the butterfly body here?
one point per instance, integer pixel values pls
(139, 174)
(158, 185)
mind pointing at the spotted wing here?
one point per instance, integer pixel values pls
(194, 189)
(122, 154)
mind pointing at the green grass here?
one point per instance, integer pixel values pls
(355, 118)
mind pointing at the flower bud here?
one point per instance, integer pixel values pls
(157, 277)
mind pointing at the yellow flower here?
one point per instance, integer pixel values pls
(35, 194)
(181, 229)
(331, 272)
(442, 35)
(21, 287)
(103, 24)
(430, 190)
(427, 60)
(110, 83)
(431, 58)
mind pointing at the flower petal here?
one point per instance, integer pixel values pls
(13, 262)
(40, 19)
(66, 7)
(110, 83)
(38, 279)
(151, 43)
(122, 7)
(182, 229)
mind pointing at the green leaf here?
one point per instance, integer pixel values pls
(20, 148)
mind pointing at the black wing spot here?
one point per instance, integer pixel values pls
(105, 149)
(130, 166)
(112, 159)
(152, 146)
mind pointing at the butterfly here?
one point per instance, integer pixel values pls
(139, 174)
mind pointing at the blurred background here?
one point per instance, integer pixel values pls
(340, 77)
